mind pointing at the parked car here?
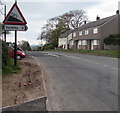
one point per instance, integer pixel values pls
(20, 49)
(20, 54)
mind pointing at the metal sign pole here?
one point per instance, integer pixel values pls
(15, 1)
(15, 50)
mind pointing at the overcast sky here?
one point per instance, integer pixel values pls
(37, 12)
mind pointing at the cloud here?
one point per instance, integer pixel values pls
(103, 9)
(22, 36)
(55, 0)
(36, 14)
(35, 26)
(34, 29)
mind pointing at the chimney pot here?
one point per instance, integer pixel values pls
(97, 18)
(117, 12)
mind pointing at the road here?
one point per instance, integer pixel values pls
(77, 82)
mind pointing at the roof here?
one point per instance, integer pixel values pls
(96, 23)
(88, 25)
(65, 34)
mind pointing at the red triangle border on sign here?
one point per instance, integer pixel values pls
(15, 23)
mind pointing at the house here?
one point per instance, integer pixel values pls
(65, 40)
(91, 35)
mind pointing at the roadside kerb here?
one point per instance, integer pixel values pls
(37, 104)
(47, 105)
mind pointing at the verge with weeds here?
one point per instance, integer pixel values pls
(7, 62)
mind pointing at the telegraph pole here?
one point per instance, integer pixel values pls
(5, 17)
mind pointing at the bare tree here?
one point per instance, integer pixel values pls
(25, 45)
(1, 8)
(67, 21)
(79, 16)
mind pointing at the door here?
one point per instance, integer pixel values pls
(88, 44)
(92, 43)
(76, 44)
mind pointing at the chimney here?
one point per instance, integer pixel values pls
(85, 22)
(97, 18)
(117, 12)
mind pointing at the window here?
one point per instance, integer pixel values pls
(96, 42)
(95, 30)
(74, 34)
(71, 42)
(86, 32)
(80, 33)
(84, 42)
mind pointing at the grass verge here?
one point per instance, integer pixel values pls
(10, 69)
(107, 53)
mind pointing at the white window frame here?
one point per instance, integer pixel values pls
(80, 42)
(96, 42)
(95, 30)
(74, 34)
(80, 33)
(84, 42)
(86, 32)
(71, 42)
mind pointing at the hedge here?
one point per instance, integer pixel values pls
(5, 56)
(112, 40)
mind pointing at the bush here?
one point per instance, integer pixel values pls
(112, 40)
(5, 56)
(48, 47)
(7, 62)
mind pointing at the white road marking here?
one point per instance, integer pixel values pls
(106, 65)
(51, 54)
(115, 68)
(93, 62)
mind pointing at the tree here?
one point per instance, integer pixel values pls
(78, 17)
(1, 3)
(48, 28)
(60, 24)
(2, 31)
(25, 45)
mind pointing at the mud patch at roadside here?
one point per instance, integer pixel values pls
(28, 85)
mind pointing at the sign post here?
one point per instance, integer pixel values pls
(15, 49)
(14, 21)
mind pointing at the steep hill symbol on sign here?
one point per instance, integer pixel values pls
(15, 17)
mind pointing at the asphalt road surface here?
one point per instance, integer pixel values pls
(76, 82)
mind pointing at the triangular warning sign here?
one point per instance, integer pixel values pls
(15, 16)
